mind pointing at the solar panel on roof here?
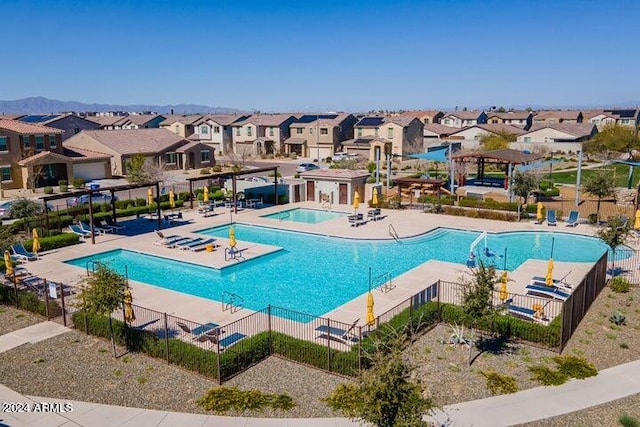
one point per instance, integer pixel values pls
(371, 121)
(33, 119)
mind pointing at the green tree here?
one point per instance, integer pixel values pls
(384, 394)
(102, 291)
(615, 234)
(477, 301)
(496, 140)
(25, 208)
(600, 184)
(612, 139)
(522, 184)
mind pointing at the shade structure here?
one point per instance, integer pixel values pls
(129, 315)
(149, 196)
(549, 277)
(205, 196)
(374, 197)
(636, 223)
(35, 248)
(356, 200)
(7, 263)
(232, 237)
(371, 318)
(503, 287)
(172, 199)
(539, 215)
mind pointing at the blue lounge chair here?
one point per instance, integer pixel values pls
(572, 221)
(230, 340)
(338, 334)
(201, 246)
(86, 227)
(526, 313)
(191, 242)
(22, 254)
(197, 332)
(546, 291)
(551, 217)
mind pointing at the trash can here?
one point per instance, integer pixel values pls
(209, 247)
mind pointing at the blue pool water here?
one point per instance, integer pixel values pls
(315, 274)
(308, 216)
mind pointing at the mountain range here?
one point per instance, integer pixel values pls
(41, 105)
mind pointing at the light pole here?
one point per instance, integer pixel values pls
(318, 136)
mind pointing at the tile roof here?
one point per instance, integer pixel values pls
(141, 119)
(402, 120)
(420, 113)
(41, 155)
(185, 120)
(265, 119)
(188, 146)
(27, 128)
(464, 115)
(132, 141)
(79, 153)
(501, 128)
(574, 129)
(225, 119)
(510, 115)
(335, 173)
(440, 129)
(557, 114)
(106, 120)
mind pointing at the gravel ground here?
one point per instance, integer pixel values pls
(12, 319)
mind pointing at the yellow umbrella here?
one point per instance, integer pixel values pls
(374, 198)
(549, 278)
(7, 263)
(636, 224)
(172, 199)
(205, 197)
(539, 215)
(129, 315)
(503, 287)
(356, 200)
(149, 196)
(371, 318)
(232, 237)
(36, 242)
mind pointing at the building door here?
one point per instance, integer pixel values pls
(296, 193)
(343, 194)
(311, 191)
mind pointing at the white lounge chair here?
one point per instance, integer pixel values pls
(22, 254)
(547, 291)
(572, 221)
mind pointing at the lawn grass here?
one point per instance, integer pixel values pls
(620, 171)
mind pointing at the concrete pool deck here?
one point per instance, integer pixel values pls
(406, 223)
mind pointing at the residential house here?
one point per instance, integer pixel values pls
(398, 136)
(460, 119)
(436, 131)
(557, 137)
(425, 116)
(69, 123)
(471, 135)
(181, 125)
(141, 121)
(319, 135)
(215, 130)
(621, 117)
(31, 155)
(558, 116)
(163, 147)
(261, 134)
(107, 122)
(522, 119)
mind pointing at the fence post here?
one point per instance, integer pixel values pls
(46, 299)
(438, 300)
(328, 346)
(64, 309)
(125, 327)
(166, 336)
(360, 351)
(269, 326)
(15, 288)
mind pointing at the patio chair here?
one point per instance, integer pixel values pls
(551, 218)
(193, 241)
(526, 313)
(572, 221)
(21, 253)
(198, 331)
(230, 340)
(201, 246)
(86, 227)
(75, 229)
(547, 292)
(108, 228)
(112, 223)
(344, 336)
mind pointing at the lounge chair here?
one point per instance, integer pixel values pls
(75, 229)
(374, 214)
(201, 246)
(547, 291)
(541, 280)
(572, 221)
(230, 340)
(22, 254)
(197, 332)
(108, 228)
(86, 227)
(112, 223)
(356, 220)
(194, 241)
(173, 217)
(527, 314)
(551, 218)
(338, 334)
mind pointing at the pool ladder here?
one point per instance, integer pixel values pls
(232, 302)
(382, 282)
(393, 233)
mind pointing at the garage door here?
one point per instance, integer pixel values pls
(89, 171)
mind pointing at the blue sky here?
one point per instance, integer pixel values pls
(323, 55)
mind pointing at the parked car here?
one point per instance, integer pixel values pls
(344, 156)
(305, 167)
(5, 209)
(95, 198)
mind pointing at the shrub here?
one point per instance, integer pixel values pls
(620, 285)
(547, 376)
(48, 190)
(293, 156)
(371, 180)
(28, 301)
(62, 182)
(592, 218)
(64, 188)
(500, 384)
(575, 367)
(205, 171)
(54, 242)
(628, 421)
(78, 183)
(617, 318)
(217, 168)
(220, 400)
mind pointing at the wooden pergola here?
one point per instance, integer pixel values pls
(506, 158)
(425, 185)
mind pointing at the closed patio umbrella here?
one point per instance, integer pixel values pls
(36, 242)
(374, 198)
(370, 316)
(503, 287)
(129, 315)
(549, 277)
(172, 199)
(636, 224)
(205, 197)
(149, 196)
(356, 201)
(7, 263)
(232, 237)
(539, 215)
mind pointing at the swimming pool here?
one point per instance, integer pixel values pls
(315, 274)
(308, 216)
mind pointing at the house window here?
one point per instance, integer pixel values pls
(625, 121)
(204, 130)
(270, 131)
(237, 131)
(595, 121)
(324, 131)
(216, 129)
(494, 120)
(52, 141)
(26, 141)
(359, 131)
(5, 173)
(171, 158)
(426, 120)
(4, 143)
(527, 139)
(447, 122)
(310, 131)
(39, 142)
(390, 133)
(299, 131)
(177, 129)
(376, 132)
(249, 131)
(205, 156)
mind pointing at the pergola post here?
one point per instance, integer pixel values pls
(158, 210)
(93, 231)
(275, 185)
(235, 196)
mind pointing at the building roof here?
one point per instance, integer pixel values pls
(510, 115)
(81, 153)
(420, 113)
(265, 120)
(627, 113)
(295, 141)
(401, 120)
(464, 115)
(557, 114)
(575, 129)
(370, 121)
(501, 128)
(142, 119)
(11, 116)
(132, 141)
(440, 129)
(43, 155)
(27, 128)
(106, 120)
(188, 146)
(224, 119)
(335, 174)
(185, 120)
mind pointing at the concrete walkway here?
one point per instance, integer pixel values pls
(31, 334)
